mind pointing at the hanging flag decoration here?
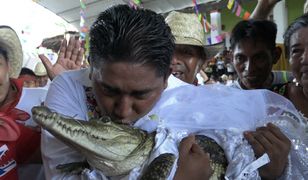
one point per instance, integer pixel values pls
(82, 4)
(219, 38)
(202, 18)
(135, 3)
(239, 10)
(246, 15)
(230, 4)
(236, 8)
(83, 28)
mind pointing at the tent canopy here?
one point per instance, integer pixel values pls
(69, 10)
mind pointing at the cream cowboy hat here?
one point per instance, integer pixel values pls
(40, 69)
(187, 30)
(9, 41)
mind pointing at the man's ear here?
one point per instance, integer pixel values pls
(276, 54)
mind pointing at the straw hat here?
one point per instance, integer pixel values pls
(9, 41)
(186, 28)
(40, 69)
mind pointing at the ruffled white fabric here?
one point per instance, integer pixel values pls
(223, 114)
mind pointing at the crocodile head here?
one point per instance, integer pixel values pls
(113, 148)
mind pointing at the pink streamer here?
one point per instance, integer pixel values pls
(238, 11)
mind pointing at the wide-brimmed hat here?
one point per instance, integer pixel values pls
(9, 42)
(186, 28)
(40, 69)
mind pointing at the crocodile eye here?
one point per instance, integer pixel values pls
(105, 119)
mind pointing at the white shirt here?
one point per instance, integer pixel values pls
(279, 77)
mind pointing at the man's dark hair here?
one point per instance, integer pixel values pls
(258, 30)
(26, 71)
(123, 34)
(298, 23)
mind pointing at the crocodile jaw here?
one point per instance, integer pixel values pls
(104, 140)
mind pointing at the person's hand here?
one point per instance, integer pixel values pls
(193, 162)
(269, 2)
(272, 141)
(263, 9)
(69, 58)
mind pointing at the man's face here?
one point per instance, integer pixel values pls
(186, 63)
(253, 63)
(4, 78)
(126, 92)
(299, 56)
(41, 81)
(29, 80)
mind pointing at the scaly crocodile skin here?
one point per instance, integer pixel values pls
(116, 149)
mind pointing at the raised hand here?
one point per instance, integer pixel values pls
(272, 141)
(193, 162)
(69, 58)
(263, 9)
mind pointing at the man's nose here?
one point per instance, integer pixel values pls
(175, 60)
(123, 107)
(247, 66)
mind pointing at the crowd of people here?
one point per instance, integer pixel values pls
(141, 63)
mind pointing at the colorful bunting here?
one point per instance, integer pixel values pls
(238, 11)
(83, 28)
(236, 8)
(246, 15)
(135, 3)
(219, 38)
(209, 40)
(242, 14)
(202, 18)
(230, 4)
(207, 25)
(138, 2)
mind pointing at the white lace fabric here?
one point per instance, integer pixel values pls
(223, 114)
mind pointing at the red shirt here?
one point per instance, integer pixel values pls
(17, 142)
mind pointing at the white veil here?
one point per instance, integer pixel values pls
(223, 113)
